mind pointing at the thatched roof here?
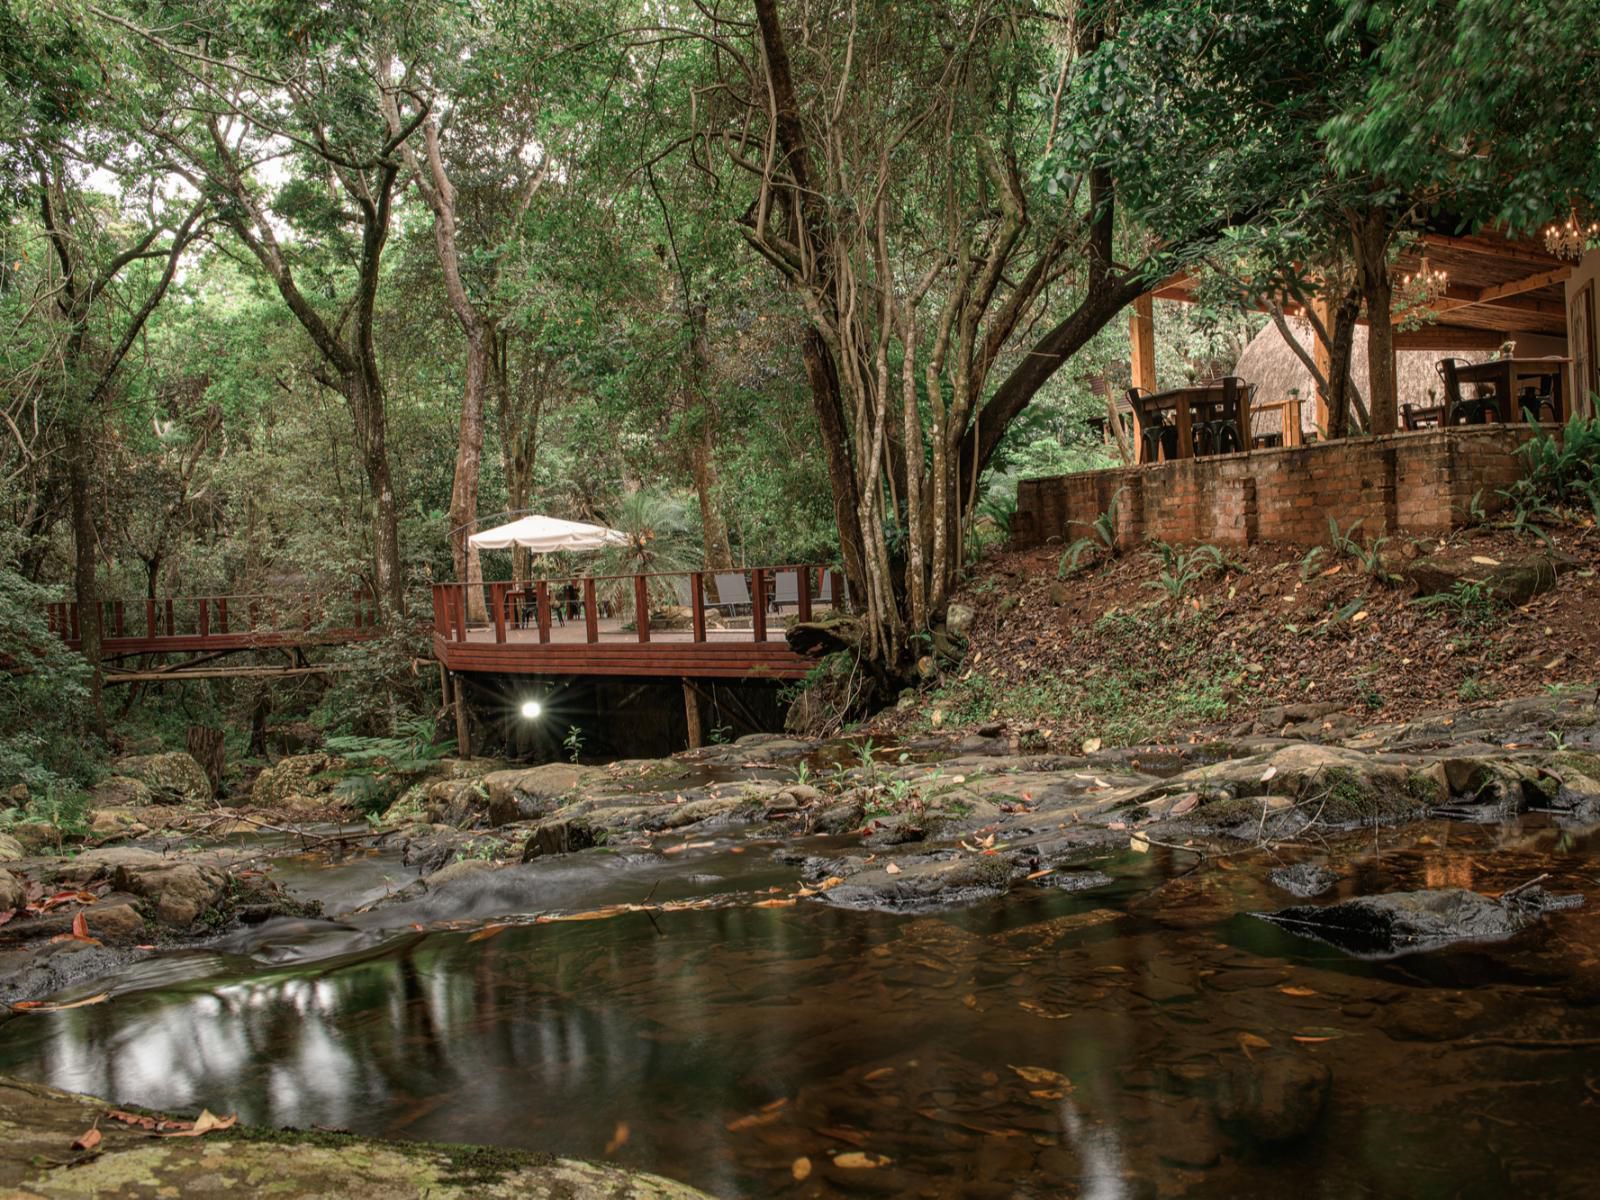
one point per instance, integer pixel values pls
(1274, 368)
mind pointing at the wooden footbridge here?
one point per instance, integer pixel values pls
(192, 635)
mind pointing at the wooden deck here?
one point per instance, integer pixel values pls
(523, 633)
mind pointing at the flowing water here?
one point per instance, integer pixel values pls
(1046, 1045)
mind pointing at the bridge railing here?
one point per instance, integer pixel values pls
(741, 603)
(219, 618)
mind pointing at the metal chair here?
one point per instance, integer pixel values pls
(1463, 410)
(1224, 432)
(1155, 435)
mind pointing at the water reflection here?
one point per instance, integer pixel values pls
(1051, 1045)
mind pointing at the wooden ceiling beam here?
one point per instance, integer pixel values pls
(1490, 247)
(1501, 295)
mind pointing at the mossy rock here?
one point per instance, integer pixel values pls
(38, 1124)
(295, 782)
(171, 777)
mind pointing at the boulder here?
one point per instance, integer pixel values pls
(180, 892)
(1402, 922)
(115, 920)
(121, 791)
(958, 619)
(1511, 583)
(106, 822)
(460, 869)
(172, 777)
(94, 865)
(10, 848)
(13, 893)
(561, 835)
(536, 791)
(1272, 1097)
(298, 782)
(921, 882)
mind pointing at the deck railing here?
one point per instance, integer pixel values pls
(221, 619)
(633, 605)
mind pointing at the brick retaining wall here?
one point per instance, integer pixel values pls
(1412, 482)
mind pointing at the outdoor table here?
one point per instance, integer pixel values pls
(1183, 401)
(1504, 374)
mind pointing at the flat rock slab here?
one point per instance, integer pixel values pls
(38, 1125)
(1403, 922)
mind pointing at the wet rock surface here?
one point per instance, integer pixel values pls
(1400, 923)
(1303, 879)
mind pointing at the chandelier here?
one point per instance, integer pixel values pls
(1423, 286)
(1570, 238)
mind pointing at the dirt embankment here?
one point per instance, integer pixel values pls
(1179, 643)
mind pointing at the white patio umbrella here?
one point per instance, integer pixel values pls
(544, 535)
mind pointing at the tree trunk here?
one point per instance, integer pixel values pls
(85, 586)
(469, 462)
(1341, 390)
(1372, 251)
(365, 395)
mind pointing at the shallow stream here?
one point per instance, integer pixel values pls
(1049, 1044)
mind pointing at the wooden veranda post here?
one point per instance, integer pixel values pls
(1142, 358)
(1322, 355)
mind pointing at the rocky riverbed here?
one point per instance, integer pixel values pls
(924, 825)
(986, 847)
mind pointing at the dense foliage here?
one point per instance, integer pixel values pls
(294, 292)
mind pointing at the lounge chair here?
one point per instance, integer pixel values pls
(733, 593)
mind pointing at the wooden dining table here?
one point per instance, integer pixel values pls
(1182, 402)
(1506, 373)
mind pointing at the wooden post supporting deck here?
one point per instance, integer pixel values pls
(463, 730)
(691, 715)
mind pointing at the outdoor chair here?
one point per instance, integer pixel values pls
(825, 592)
(1536, 404)
(785, 591)
(1223, 431)
(1460, 409)
(733, 593)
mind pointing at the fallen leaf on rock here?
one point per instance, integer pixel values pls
(206, 1122)
(800, 1168)
(679, 849)
(488, 931)
(776, 902)
(1040, 874)
(1483, 560)
(891, 869)
(80, 928)
(1298, 991)
(89, 1139)
(1117, 826)
(7, 915)
(1186, 803)
(1268, 774)
(1090, 745)
(857, 1160)
(844, 1135)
